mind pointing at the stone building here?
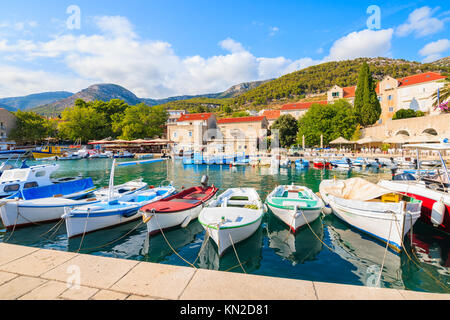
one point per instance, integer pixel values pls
(7, 123)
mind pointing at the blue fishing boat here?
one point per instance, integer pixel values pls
(301, 164)
(108, 213)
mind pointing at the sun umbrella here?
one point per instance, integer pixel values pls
(341, 140)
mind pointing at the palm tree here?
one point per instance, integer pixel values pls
(444, 94)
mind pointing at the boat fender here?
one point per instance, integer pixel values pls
(186, 222)
(204, 181)
(129, 214)
(437, 213)
(327, 210)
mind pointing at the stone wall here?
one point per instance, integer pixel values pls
(412, 126)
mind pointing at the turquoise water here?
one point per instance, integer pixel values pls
(328, 251)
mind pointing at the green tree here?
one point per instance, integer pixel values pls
(367, 106)
(288, 128)
(331, 121)
(31, 127)
(83, 122)
(407, 113)
(140, 122)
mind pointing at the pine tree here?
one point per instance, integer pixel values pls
(367, 106)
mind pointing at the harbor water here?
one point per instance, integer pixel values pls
(328, 250)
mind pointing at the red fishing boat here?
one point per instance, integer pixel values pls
(321, 164)
(179, 209)
(432, 191)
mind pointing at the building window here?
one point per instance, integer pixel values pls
(175, 134)
(190, 133)
(390, 97)
(391, 109)
(335, 94)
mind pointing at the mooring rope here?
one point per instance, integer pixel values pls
(235, 252)
(315, 233)
(417, 265)
(120, 238)
(84, 232)
(167, 241)
(386, 249)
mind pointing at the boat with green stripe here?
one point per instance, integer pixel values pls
(232, 217)
(294, 205)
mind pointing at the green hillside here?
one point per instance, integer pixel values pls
(320, 78)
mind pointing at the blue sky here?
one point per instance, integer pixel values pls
(165, 48)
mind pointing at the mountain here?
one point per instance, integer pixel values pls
(444, 62)
(102, 92)
(106, 92)
(307, 83)
(318, 79)
(32, 100)
(232, 92)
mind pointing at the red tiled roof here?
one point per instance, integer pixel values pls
(194, 117)
(241, 119)
(349, 92)
(420, 78)
(272, 114)
(301, 105)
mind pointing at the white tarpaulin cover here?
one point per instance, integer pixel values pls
(355, 189)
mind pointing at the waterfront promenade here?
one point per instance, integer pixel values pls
(28, 273)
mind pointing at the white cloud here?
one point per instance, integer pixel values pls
(273, 31)
(433, 50)
(148, 68)
(365, 43)
(420, 22)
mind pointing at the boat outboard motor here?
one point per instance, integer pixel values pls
(394, 171)
(204, 181)
(349, 162)
(404, 177)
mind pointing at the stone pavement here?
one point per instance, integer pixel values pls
(37, 274)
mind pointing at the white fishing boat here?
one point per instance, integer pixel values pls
(372, 209)
(44, 204)
(295, 205)
(111, 212)
(234, 216)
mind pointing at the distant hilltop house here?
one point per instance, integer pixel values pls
(7, 123)
(298, 110)
(174, 115)
(413, 92)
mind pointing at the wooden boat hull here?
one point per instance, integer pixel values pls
(18, 214)
(164, 221)
(227, 237)
(79, 225)
(295, 220)
(388, 222)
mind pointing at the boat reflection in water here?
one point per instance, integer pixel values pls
(429, 260)
(366, 255)
(156, 248)
(249, 252)
(298, 248)
(122, 241)
(47, 236)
